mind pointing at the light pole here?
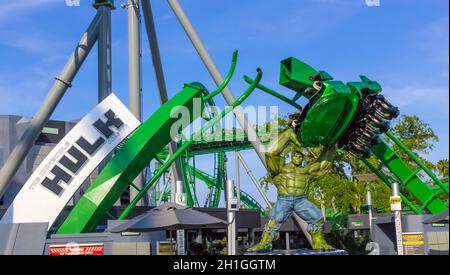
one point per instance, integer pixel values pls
(233, 204)
(180, 198)
(369, 206)
(396, 207)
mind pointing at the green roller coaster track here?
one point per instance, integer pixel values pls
(211, 181)
(149, 142)
(137, 152)
(391, 167)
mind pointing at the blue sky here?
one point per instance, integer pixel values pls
(403, 44)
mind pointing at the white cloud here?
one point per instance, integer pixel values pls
(34, 42)
(415, 98)
(23, 86)
(22, 91)
(14, 7)
(27, 39)
(21, 99)
(296, 19)
(433, 39)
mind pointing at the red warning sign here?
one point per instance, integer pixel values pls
(76, 249)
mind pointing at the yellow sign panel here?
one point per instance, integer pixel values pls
(166, 248)
(409, 237)
(396, 203)
(396, 200)
(413, 243)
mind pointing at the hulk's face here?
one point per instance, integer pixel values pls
(297, 158)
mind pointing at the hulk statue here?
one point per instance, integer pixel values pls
(292, 182)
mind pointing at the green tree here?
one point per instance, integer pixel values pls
(417, 136)
(336, 192)
(442, 167)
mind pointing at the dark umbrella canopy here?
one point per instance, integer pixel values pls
(169, 216)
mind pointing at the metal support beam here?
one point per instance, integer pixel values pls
(62, 83)
(238, 172)
(253, 178)
(229, 98)
(231, 216)
(104, 53)
(228, 95)
(218, 78)
(134, 58)
(288, 241)
(159, 73)
(154, 50)
(104, 56)
(166, 184)
(134, 75)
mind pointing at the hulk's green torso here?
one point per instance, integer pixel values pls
(291, 180)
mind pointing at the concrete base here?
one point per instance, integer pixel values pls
(298, 252)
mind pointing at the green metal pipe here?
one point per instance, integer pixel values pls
(192, 179)
(185, 145)
(109, 3)
(186, 185)
(208, 180)
(273, 93)
(227, 79)
(219, 180)
(388, 183)
(416, 160)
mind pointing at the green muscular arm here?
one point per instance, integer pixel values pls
(322, 165)
(273, 156)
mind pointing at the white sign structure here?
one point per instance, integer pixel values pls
(180, 198)
(69, 164)
(396, 207)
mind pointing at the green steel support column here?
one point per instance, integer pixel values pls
(408, 178)
(219, 180)
(187, 187)
(128, 162)
(389, 183)
(186, 144)
(133, 156)
(251, 203)
(204, 177)
(417, 161)
(99, 3)
(210, 181)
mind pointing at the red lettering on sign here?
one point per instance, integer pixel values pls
(82, 249)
